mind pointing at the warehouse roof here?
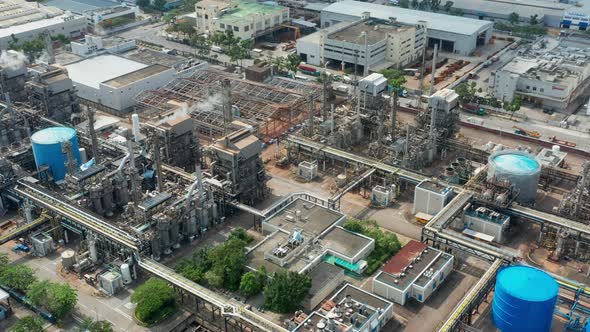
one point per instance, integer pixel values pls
(506, 8)
(35, 25)
(81, 6)
(93, 71)
(441, 22)
(135, 76)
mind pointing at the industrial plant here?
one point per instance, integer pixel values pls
(293, 167)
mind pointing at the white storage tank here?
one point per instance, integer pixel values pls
(126, 273)
(522, 169)
(68, 259)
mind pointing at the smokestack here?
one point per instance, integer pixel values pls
(49, 48)
(135, 122)
(310, 119)
(93, 139)
(199, 179)
(158, 162)
(433, 69)
(227, 116)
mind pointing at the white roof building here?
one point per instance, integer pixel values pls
(453, 33)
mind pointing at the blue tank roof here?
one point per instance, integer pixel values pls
(527, 283)
(517, 163)
(53, 135)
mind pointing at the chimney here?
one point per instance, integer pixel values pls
(227, 109)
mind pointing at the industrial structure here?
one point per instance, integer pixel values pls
(25, 21)
(246, 19)
(462, 35)
(187, 152)
(370, 44)
(551, 74)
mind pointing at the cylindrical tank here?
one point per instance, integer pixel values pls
(524, 300)
(47, 149)
(522, 169)
(341, 180)
(68, 259)
(126, 273)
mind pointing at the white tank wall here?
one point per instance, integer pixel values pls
(525, 181)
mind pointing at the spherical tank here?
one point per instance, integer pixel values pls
(47, 149)
(524, 300)
(522, 169)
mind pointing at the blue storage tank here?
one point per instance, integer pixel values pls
(47, 145)
(524, 300)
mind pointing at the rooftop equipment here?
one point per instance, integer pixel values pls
(524, 300)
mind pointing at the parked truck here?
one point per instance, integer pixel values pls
(473, 109)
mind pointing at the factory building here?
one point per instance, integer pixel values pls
(551, 75)
(302, 233)
(103, 16)
(478, 220)
(576, 18)
(548, 13)
(13, 75)
(236, 159)
(112, 81)
(453, 34)
(91, 45)
(431, 197)
(26, 21)
(51, 90)
(246, 19)
(349, 309)
(388, 44)
(416, 271)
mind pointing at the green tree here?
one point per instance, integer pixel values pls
(514, 106)
(466, 92)
(286, 290)
(228, 263)
(170, 17)
(159, 4)
(386, 244)
(415, 4)
(201, 43)
(18, 276)
(423, 5)
(142, 3)
(91, 325)
(394, 77)
(28, 324)
(58, 298)
(253, 282)
(534, 20)
(186, 28)
(404, 3)
(513, 18)
(194, 268)
(292, 62)
(4, 261)
(155, 300)
(448, 5)
(240, 234)
(31, 48)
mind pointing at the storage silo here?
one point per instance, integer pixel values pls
(47, 149)
(524, 300)
(522, 169)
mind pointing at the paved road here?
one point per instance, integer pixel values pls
(115, 309)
